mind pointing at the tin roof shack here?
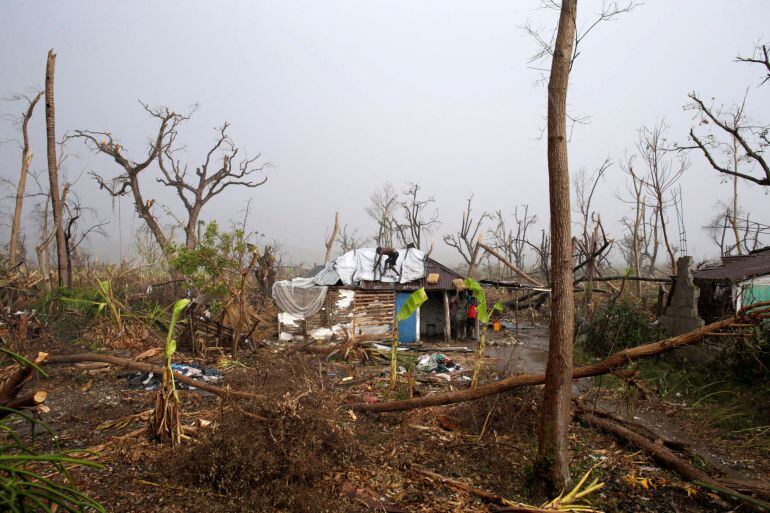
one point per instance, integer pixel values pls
(736, 282)
(360, 296)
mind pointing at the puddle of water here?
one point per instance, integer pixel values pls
(528, 355)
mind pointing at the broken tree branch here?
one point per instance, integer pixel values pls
(146, 367)
(509, 265)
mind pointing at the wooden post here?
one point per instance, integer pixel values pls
(447, 319)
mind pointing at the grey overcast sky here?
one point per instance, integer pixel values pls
(342, 96)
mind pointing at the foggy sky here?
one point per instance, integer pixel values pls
(341, 96)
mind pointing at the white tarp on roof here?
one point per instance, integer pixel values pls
(360, 264)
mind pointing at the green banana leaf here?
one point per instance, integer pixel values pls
(412, 303)
(481, 301)
(179, 307)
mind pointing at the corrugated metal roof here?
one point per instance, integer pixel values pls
(738, 268)
(445, 274)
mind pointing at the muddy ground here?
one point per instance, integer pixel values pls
(301, 449)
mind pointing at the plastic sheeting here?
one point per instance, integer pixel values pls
(357, 265)
(300, 297)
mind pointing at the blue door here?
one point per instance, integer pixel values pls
(407, 330)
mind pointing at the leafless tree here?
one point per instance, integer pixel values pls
(760, 56)
(129, 180)
(348, 240)
(217, 172)
(553, 452)
(592, 245)
(464, 241)
(383, 205)
(333, 238)
(747, 141)
(543, 251)
(752, 235)
(664, 169)
(512, 243)
(545, 40)
(417, 220)
(26, 159)
(75, 231)
(631, 245)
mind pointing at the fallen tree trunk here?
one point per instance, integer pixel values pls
(666, 457)
(634, 426)
(605, 366)
(146, 367)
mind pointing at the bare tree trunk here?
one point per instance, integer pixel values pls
(26, 158)
(53, 172)
(190, 230)
(475, 255)
(664, 229)
(553, 456)
(333, 238)
(636, 248)
(734, 220)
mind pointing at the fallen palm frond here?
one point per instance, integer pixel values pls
(574, 502)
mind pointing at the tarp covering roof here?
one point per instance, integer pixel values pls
(359, 265)
(738, 268)
(445, 274)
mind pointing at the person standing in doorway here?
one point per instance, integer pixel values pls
(470, 321)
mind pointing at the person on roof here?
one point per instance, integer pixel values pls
(390, 261)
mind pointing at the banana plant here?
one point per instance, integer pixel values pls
(412, 303)
(484, 315)
(164, 422)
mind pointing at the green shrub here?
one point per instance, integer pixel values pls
(748, 359)
(617, 326)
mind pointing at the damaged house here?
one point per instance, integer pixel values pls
(358, 295)
(738, 281)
